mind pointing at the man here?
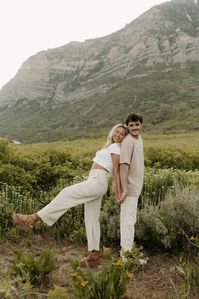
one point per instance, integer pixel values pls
(131, 175)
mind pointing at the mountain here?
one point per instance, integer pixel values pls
(150, 66)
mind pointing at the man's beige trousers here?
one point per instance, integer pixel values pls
(128, 212)
(90, 193)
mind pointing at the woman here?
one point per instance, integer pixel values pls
(89, 192)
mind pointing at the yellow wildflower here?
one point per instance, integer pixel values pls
(84, 283)
(74, 274)
(107, 249)
(119, 262)
(130, 275)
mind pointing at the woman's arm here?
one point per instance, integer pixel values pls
(116, 173)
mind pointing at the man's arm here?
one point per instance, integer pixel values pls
(124, 171)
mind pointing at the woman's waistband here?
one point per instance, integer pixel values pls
(99, 172)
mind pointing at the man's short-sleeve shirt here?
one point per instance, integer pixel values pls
(133, 155)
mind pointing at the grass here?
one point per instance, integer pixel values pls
(86, 146)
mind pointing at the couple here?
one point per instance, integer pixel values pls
(122, 157)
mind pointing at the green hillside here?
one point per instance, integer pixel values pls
(168, 100)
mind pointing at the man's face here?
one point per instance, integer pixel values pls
(134, 128)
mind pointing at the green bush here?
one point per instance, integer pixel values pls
(188, 268)
(162, 217)
(12, 288)
(158, 181)
(6, 152)
(70, 226)
(39, 169)
(171, 157)
(110, 281)
(152, 225)
(14, 199)
(170, 223)
(109, 219)
(34, 269)
(57, 293)
(16, 176)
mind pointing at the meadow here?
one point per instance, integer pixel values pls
(167, 223)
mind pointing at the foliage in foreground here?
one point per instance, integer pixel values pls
(34, 269)
(58, 293)
(109, 281)
(14, 288)
(99, 283)
(188, 268)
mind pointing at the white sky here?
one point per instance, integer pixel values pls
(29, 26)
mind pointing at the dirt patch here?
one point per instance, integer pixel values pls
(153, 282)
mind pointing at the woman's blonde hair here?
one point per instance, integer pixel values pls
(109, 139)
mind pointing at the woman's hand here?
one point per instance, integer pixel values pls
(123, 196)
(118, 198)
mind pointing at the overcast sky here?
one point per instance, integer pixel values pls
(29, 26)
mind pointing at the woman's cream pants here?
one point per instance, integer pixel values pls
(90, 193)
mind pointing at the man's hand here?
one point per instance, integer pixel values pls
(123, 196)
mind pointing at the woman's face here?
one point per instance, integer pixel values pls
(119, 134)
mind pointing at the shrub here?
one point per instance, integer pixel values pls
(109, 220)
(12, 288)
(57, 293)
(36, 269)
(12, 199)
(180, 209)
(16, 176)
(188, 268)
(172, 221)
(171, 157)
(154, 221)
(158, 181)
(6, 151)
(110, 281)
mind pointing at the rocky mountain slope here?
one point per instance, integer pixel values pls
(150, 65)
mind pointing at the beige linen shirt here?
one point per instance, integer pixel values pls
(133, 155)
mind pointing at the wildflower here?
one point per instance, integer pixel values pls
(119, 262)
(107, 249)
(84, 283)
(74, 274)
(130, 275)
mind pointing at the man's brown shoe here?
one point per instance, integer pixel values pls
(93, 259)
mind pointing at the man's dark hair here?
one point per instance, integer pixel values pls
(133, 116)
